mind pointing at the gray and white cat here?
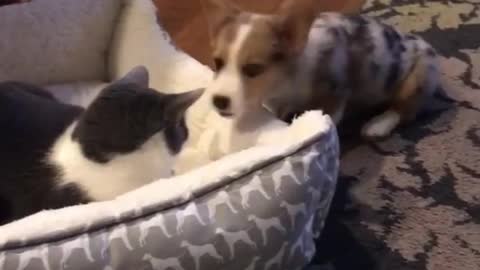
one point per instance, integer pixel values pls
(54, 155)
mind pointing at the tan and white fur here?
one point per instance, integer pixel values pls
(246, 122)
(300, 59)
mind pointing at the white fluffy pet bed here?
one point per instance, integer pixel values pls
(257, 209)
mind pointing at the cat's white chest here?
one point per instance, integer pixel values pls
(121, 174)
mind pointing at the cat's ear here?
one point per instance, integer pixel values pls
(137, 75)
(179, 103)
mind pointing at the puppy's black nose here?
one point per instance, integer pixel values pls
(221, 102)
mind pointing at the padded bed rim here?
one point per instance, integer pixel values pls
(156, 208)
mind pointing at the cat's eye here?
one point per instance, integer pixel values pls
(253, 70)
(219, 63)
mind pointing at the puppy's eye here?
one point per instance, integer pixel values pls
(219, 63)
(253, 70)
(278, 57)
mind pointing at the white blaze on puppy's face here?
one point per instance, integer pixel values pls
(228, 87)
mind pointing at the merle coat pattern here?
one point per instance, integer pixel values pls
(363, 64)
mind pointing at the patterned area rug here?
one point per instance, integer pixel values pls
(417, 195)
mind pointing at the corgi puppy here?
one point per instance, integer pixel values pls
(300, 59)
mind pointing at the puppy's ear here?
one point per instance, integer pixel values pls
(221, 13)
(137, 75)
(292, 24)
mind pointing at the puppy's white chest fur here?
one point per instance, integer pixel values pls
(225, 137)
(123, 173)
(239, 134)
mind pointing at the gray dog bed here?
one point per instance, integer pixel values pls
(257, 209)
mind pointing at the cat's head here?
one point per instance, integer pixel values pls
(128, 115)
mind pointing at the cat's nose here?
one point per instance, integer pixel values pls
(221, 102)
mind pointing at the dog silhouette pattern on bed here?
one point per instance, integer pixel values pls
(267, 219)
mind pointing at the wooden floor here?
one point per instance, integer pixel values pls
(186, 21)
